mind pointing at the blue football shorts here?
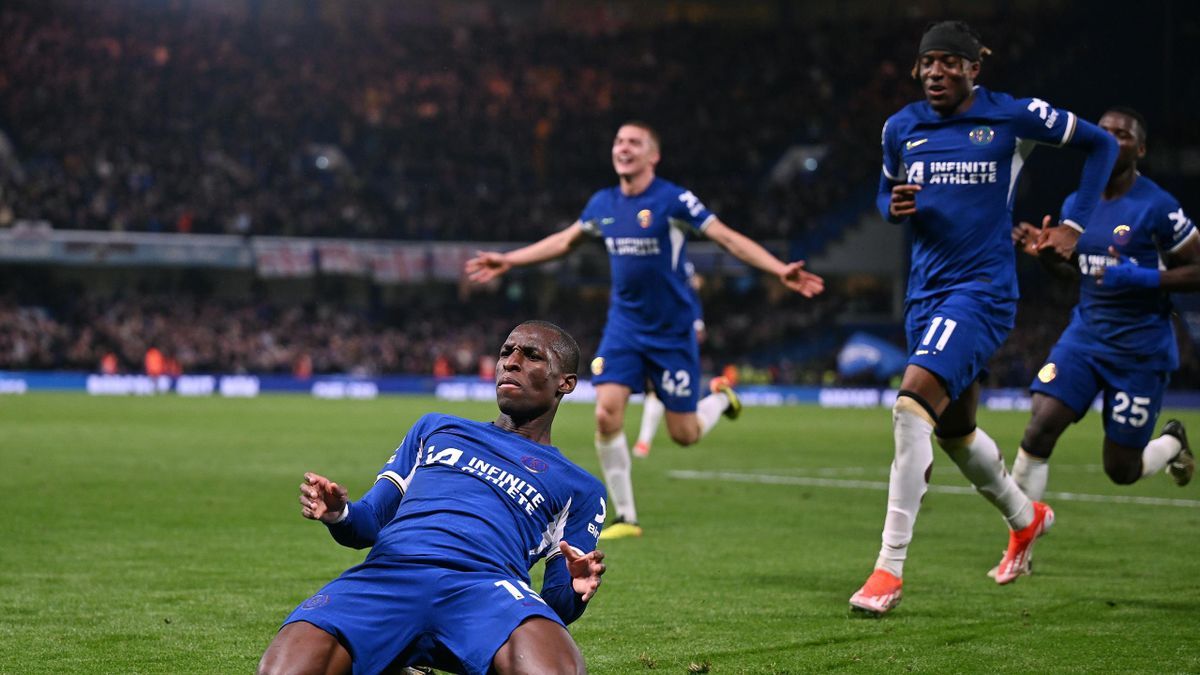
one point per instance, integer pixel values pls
(1132, 396)
(954, 335)
(398, 613)
(670, 364)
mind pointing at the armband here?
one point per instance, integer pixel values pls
(1128, 275)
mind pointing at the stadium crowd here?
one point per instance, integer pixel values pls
(170, 118)
(431, 331)
(167, 117)
(768, 336)
(216, 336)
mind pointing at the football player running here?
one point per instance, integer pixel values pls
(950, 164)
(644, 222)
(1138, 247)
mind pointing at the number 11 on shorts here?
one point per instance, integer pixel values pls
(518, 595)
(947, 326)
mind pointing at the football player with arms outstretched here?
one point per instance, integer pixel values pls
(644, 222)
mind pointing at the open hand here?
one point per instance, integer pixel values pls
(1058, 241)
(485, 266)
(795, 277)
(585, 569)
(322, 499)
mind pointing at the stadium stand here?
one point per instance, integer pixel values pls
(350, 120)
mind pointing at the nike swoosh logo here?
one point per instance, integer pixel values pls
(912, 144)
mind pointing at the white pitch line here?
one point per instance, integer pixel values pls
(808, 481)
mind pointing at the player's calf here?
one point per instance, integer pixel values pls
(1183, 465)
(1122, 468)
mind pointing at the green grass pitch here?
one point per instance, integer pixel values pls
(162, 535)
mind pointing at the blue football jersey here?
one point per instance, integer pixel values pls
(474, 495)
(646, 238)
(1142, 225)
(967, 166)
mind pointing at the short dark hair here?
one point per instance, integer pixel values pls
(564, 345)
(649, 129)
(1134, 115)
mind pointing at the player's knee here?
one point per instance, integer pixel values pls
(300, 648)
(271, 664)
(909, 405)
(952, 444)
(537, 647)
(684, 428)
(1039, 439)
(685, 436)
(1123, 470)
(276, 662)
(608, 420)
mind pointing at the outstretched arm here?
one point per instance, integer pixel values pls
(357, 525)
(793, 274)
(488, 265)
(571, 580)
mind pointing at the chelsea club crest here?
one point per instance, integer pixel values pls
(981, 135)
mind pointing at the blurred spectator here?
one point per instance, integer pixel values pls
(129, 115)
(154, 362)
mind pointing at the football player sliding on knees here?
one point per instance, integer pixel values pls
(458, 515)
